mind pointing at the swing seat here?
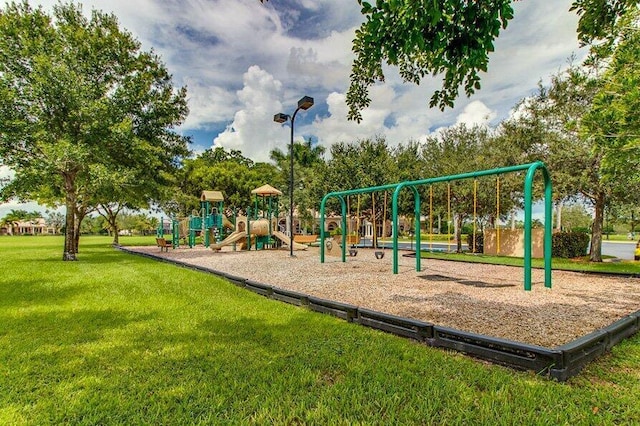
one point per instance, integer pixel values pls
(379, 255)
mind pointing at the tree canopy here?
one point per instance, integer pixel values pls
(424, 37)
(80, 104)
(227, 171)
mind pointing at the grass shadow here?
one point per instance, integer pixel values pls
(67, 328)
(17, 293)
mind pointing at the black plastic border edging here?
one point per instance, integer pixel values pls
(292, 297)
(259, 288)
(561, 362)
(518, 355)
(338, 309)
(406, 327)
(585, 349)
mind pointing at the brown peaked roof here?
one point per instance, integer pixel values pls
(211, 196)
(266, 190)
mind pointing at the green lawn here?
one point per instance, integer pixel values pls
(120, 339)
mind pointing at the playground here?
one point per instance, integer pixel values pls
(257, 230)
(482, 299)
(477, 298)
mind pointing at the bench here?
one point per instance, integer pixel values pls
(163, 244)
(305, 239)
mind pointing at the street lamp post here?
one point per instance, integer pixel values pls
(304, 103)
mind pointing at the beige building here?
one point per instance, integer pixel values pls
(510, 242)
(27, 227)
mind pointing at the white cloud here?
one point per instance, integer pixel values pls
(336, 128)
(253, 129)
(476, 113)
(6, 173)
(207, 104)
(304, 48)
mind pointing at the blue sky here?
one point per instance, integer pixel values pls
(243, 61)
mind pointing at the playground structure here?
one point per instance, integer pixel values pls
(530, 169)
(209, 222)
(258, 229)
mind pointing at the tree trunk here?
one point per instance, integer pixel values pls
(76, 242)
(111, 216)
(458, 219)
(595, 253)
(69, 234)
(80, 215)
(559, 215)
(313, 221)
(113, 224)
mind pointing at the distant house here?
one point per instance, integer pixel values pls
(27, 227)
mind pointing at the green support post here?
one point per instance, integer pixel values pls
(160, 228)
(528, 195)
(269, 217)
(204, 225)
(343, 224)
(175, 233)
(248, 228)
(417, 231)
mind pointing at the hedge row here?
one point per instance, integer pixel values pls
(569, 244)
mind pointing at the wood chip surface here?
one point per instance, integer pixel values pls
(483, 299)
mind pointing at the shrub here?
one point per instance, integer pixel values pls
(467, 228)
(569, 244)
(479, 242)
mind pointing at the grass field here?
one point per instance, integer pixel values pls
(120, 339)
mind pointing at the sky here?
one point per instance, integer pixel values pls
(243, 61)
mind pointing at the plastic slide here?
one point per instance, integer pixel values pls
(285, 239)
(234, 237)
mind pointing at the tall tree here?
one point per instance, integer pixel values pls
(462, 149)
(424, 37)
(227, 171)
(562, 126)
(78, 95)
(364, 163)
(613, 123)
(611, 126)
(575, 217)
(55, 220)
(599, 19)
(410, 167)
